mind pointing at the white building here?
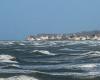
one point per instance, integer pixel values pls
(30, 38)
(83, 38)
(44, 38)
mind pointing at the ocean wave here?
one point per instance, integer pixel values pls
(91, 43)
(87, 65)
(7, 58)
(83, 67)
(68, 49)
(6, 42)
(77, 42)
(92, 54)
(17, 71)
(89, 55)
(78, 75)
(11, 66)
(85, 70)
(20, 50)
(36, 43)
(43, 52)
(22, 44)
(49, 44)
(22, 77)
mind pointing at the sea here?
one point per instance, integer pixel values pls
(49, 60)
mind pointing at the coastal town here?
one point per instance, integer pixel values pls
(90, 35)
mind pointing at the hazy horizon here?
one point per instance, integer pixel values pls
(19, 18)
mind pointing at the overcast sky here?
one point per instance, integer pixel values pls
(19, 18)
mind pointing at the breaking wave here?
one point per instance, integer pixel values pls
(6, 43)
(68, 49)
(7, 58)
(92, 54)
(43, 52)
(22, 77)
(49, 60)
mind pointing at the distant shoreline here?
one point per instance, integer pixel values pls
(80, 36)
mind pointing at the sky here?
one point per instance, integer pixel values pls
(19, 18)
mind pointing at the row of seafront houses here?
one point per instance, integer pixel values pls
(52, 37)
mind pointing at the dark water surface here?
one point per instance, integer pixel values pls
(50, 60)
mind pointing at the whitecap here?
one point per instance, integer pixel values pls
(44, 52)
(92, 53)
(88, 65)
(7, 58)
(22, 77)
(22, 44)
(19, 49)
(17, 71)
(6, 43)
(77, 74)
(76, 42)
(85, 66)
(36, 44)
(68, 49)
(10, 42)
(15, 65)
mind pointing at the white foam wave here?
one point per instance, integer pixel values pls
(84, 66)
(6, 43)
(36, 44)
(17, 71)
(7, 58)
(77, 42)
(22, 44)
(68, 49)
(44, 52)
(10, 43)
(22, 77)
(19, 49)
(77, 74)
(14, 65)
(66, 66)
(88, 66)
(92, 53)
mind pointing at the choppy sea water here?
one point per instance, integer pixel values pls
(50, 60)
